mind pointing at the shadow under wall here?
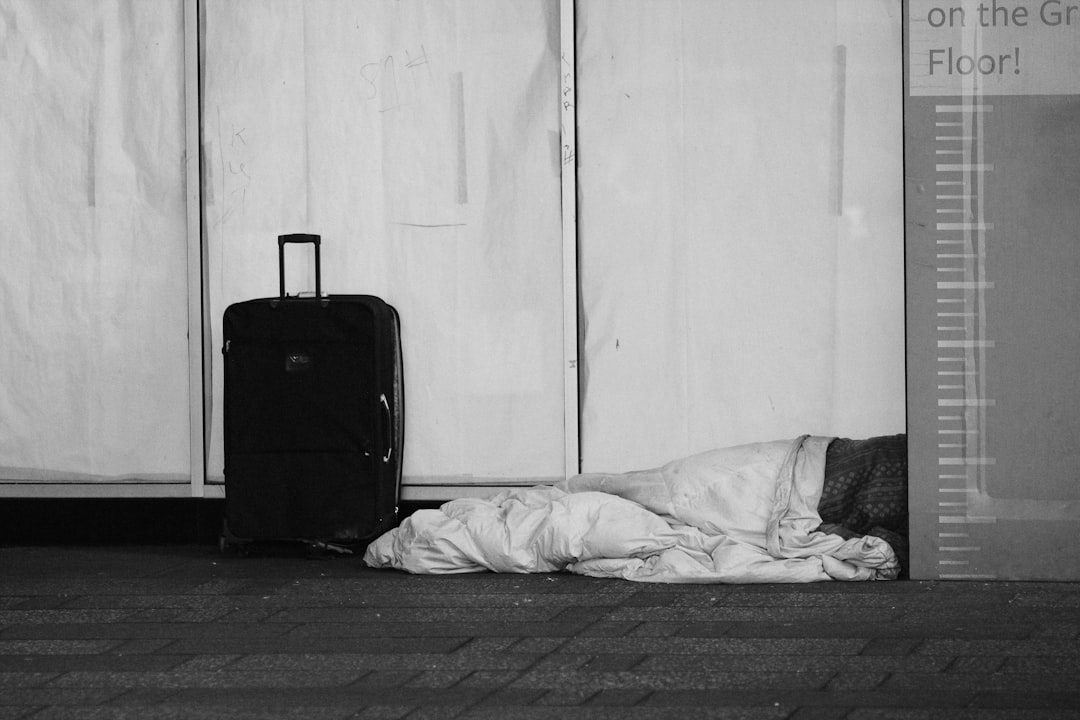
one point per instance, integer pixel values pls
(124, 521)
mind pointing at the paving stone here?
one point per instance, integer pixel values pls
(90, 629)
(655, 629)
(509, 698)
(969, 629)
(765, 629)
(73, 587)
(890, 646)
(53, 663)
(14, 712)
(169, 712)
(143, 697)
(592, 712)
(960, 714)
(220, 586)
(142, 646)
(999, 682)
(539, 645)
(605, 628)
(954, 647)
(738, 614)
(56, 616)
(330, 597)
(669, 681)
(613, 663)
(856, 681)
(1031, 647)
(24, 678)
(565, 697)
(417, 615)
(39, 602)
(794, 663)
(417, 643)
(127, 585)
(160, 602)
(488, 645)
(299, 643)
(203, 663)
(437, 679)
(385, 679)
(884, 630)
(356, 695)
(249, 614)
(1031, 698)
(820, 713)
(1058, 647)
(976, 664)
(580, 614)
(491, 679)
(212, 679)
(332, 662)
(624, 697)
(384, 712)
(55, 647)
(436, 629)
(1059, 630)
(1042, 665)
(793, 698)
(695, 598)
(174, 615)
(716, 646)
(252, 701)
(45, 696)
(561, 661)
(436, 712)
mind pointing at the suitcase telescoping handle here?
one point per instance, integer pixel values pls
(315, 240)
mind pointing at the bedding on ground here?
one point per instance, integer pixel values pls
(803, 510)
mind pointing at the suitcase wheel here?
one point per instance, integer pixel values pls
(227, 541)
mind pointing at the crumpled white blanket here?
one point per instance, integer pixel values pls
(744, 514)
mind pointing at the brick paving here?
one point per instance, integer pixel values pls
(184, 631)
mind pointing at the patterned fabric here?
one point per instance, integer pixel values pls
(865, 491)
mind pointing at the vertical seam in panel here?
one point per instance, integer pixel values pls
(682, 242)
(568, 179)
(195, 278)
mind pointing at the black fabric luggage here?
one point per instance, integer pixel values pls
(313, 414)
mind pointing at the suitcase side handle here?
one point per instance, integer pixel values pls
(315, 240)
(388, 416)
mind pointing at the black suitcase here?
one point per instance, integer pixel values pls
(313, 415)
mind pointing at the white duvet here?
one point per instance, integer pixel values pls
(744, 514)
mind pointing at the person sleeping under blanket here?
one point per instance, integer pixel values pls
(802, 510)
(865, 491)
